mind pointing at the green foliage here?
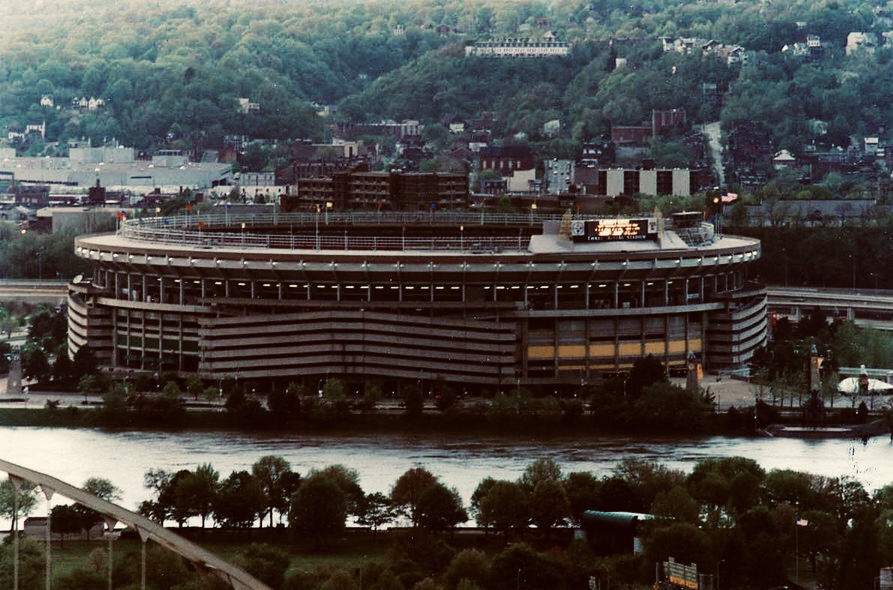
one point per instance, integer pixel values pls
(285, 404)
(549, 504)
(239, 501)
(279, 482)
(727, 486)
(408, 489)
(440, 508)
(31, 564)
(48, 327)
(645, 371)
(318, 509)
(81, 579)
(521, 565)
(375, 511)
(414, 400)
(66, 521)
(470, 565)
(266, 563)
(22, 497)
(35, 365)
(501, 505)
(84, 363)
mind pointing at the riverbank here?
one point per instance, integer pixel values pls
(739, 409)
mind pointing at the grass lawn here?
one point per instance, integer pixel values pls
(350, 550)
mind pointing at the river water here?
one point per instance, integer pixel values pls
(74, 455)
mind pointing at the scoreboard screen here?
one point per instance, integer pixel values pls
(609, 230)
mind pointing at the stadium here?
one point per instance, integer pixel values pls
(480, 300)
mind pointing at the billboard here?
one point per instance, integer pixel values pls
(681, 575)
(612, 230)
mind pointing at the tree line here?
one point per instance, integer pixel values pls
(727, 513)
(171, 73)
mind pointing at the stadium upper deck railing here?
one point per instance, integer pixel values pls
(332, 231)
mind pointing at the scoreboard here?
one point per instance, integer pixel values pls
(610, 230)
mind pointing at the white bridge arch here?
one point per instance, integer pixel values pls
(204, 561)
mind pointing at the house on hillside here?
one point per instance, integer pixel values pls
(514, 163)
(858, 41)
(784, 159)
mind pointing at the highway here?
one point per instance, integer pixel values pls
(33, 291)
(866, 307)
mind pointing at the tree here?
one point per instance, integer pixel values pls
(645, 371)
(272, 472)
(23, 497)
(676, 504)
(685, 543)
(240, 500)
(65, 520)
(30, 566)
(318, 508)
(648, 478)
(582, 489)
(440, 508)
(519, 565)
(84, 363)
(285, 404)
(408, 489)
(414, 400)
(375, 511)
(90, 385)
(615, 494)
(549, 505)
(265, 562)
(197, 491)
(62, 368)
(155, 480)
(36, 366)
(48, 328)
(727, 486)
(348, 480)
(544, 469)
(504, 507)
(194, 386)
(469, 564)
(102, 488)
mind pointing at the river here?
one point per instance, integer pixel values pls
(74, 455)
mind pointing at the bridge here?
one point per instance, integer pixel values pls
(204, 561)
(865, 307)
(53, 292)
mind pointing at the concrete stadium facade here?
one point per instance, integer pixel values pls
(481, 300)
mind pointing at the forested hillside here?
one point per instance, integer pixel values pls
(172, 71)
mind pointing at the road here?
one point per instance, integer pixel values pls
(712, 131)
(45, 291)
